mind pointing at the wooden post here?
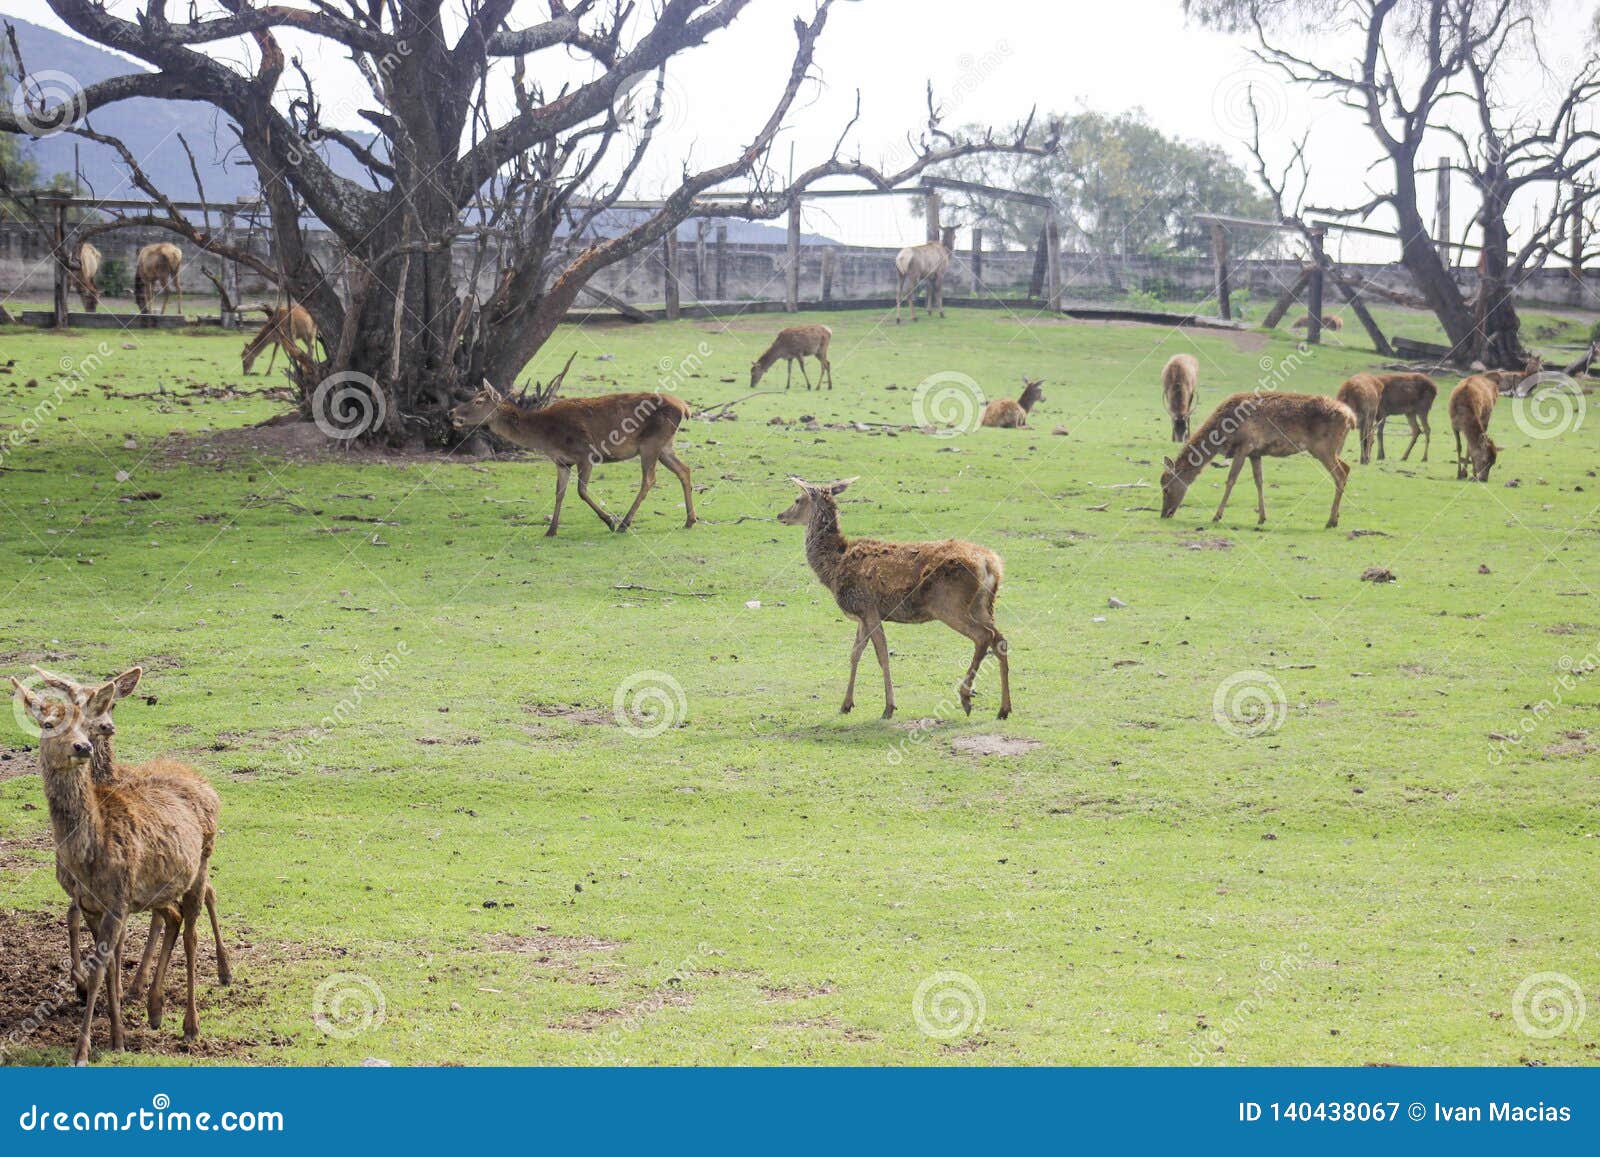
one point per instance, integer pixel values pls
(827, 273)
(1575, 230)
(722, 252)
(669, 258)
(1379, 342)
(230, 275)
(62, 318)
(1286, 301)
(1040, 264)
(977, 262)
(1219, 259)
(1314, 290)
(1441, 229)
(700, 258)
(791, 298)
(1052, 256)
(931, 214)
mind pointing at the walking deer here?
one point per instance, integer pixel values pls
(156, 270)
(796, 344)
(1411, 395)
(140, 845)
(1012, 414)
(581, 433)
(902, 582)
(285, 329)
(1364, 395)
(1471, 407)
(1180, 379)
(1253, 426)
(85, 268)
(928, 262)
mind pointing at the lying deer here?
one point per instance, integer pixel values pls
(1180, 379)
(1471, 407)
(902, 582)
(581, 433)
(140, 845)
(1331, 322)
(1012, 414)
(796, 344)
(1411, 395)
(285, 329)
(1253, 426)
(1364, 395)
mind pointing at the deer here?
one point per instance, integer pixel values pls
(1471, 407)
(1512, 381)
(105, 768)
(85, 267)
(928, 262)
(902, 582)
(1412, 395)
(282, 330)
(156, 270)
(139, 845)
(581, 433)
(1012, 413)
(1331, 322)
(1180, 378)
(796, 344)
(1256, 425)
(1363, 393)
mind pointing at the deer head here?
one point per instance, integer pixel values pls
(64, 740)
(98, 723)
(1484, 456)
(1173, 487)
(478, 409)
(1032, 393)
(810, 493)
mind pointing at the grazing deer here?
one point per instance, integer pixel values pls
(581, 433)
(1471, 407)
(1411, 395)
(928, 262)
(796, 344)
(156, 270)
(138, 845)
(1364, 395)
(1012, 414)
(1331, 322)
(1511, 381)
(902, 582)
(105, 768)
(1253, 426)
(85, 267)
(1180, 379)
(283, 329)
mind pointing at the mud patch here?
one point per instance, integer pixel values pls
(17, 761)
(295, 441)
(784, 994)
(590, 716)
(25, 853)
(1207, 544)
(916, 725)
(987, 745)
(1572, 743)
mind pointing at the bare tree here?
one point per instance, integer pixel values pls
(534, 195)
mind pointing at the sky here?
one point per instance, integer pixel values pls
(989, 63)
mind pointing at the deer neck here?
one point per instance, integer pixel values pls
(103, 763)
(74, 811)
(530, 428)
(825, 544)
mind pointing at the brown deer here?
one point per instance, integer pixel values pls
(105, 768)
(1009, 414)
(1253, 426)
(581, 433)
(1364, 395)
(1331, 322)
(796, 344)
(156, 270)
(138, 845)
(284, 328)
(1511, 381)
(1412, 395)
(928, 262)
(1471, 407)
(85, 267)
(902, 582)
(1180, 379)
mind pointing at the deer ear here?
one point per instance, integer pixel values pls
(489, 389)
(101, 699)
(801, 482)
(127, 681)
(1168, 463)
(839, 486)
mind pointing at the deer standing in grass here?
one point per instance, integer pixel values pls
(928, 262)
(1411, 395)
(156, 270)
(139, 845)
(580, 433)
(1253, 426)
(1180, 379)
(796, 344)
(105, 768)
(285, 329)
(86, 268)
(1471, 407)
(1012, 413)
(902, 582)
(1364, 395)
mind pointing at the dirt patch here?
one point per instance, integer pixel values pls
(916, 725)
(591, 716)
(786, 993)
(1572, 743)
(24, 853)
(1207, 544)
(297, 441)
(1558, 629)
(598, 1018)
(17, 761)
(572, 956)
(985, 745)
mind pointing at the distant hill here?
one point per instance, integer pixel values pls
(150, 128)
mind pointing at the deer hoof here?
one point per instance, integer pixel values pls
(551, 533)
(846, 707)
(1004, 713)
(621, 526)
(888, 712)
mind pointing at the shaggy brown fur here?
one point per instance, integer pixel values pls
(1471, 407)
(132, 846)
(580, 433)
(1364, 395)
(902, 582)
(156, 271)
(1331, 322)
(284, 328)
(1411, 395)
(928, 262)
(82, 278)
(796, 344)
(1179, 382)
(1253, 426)
(1009, 414)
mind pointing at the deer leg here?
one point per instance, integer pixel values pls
(178, 285)
(675, 464)
(855, 659)
(106, 934)
(114, 995)
(1336, 466)
(803, 373)
(1233, 476)
(563, 475)
(826, 370)
(1461, 462)
(647, 462)
(1416, 432)
(74, 952)
(1261, 492)
(224, 973)
(788, 372)
(1427, 436)
(155, 1004)
(899, 294)
(136, 985)
(938, 283)
(980, 641)
(1382, 421)
(880, 644)
(191, 1015)
(272, 358)
(585, 466)
(1002, 652)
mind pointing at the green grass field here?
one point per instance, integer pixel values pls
(407, 696)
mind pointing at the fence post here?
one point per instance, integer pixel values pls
(722, 250)
(700, 258)
(1040, 262)
(62, 319)
(827, 273)
(1314, 292)
(230, 276)
(1219, 258)
(977, 263)
(791, 299)
(669, 259)
(1442, 212)
(1052, 238)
